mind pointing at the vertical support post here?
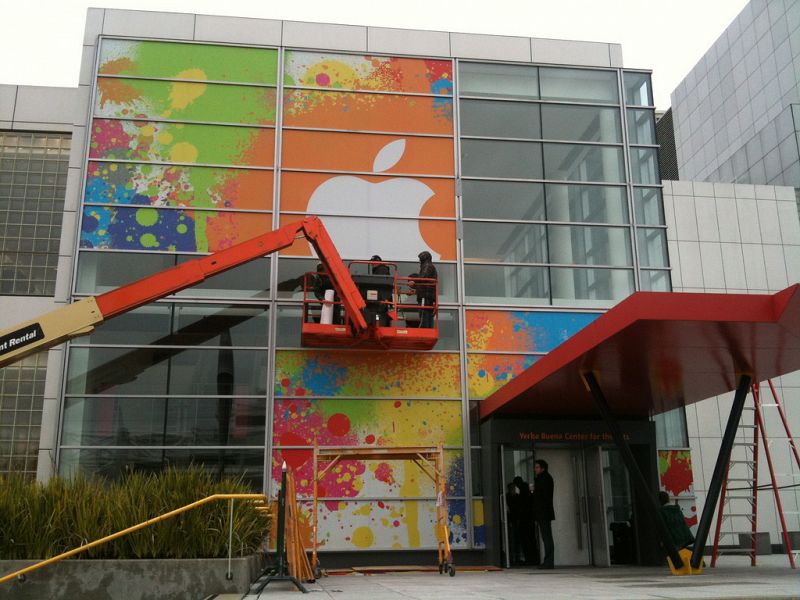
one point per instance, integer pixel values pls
(639, 482)
(720, 468)
(229, 573)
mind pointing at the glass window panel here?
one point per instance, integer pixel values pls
(290, 320)
(671, 429)
(368, 72)
(182, 143)
(145, 325)
(291, 271)
(476, 79)
(648, 205)
(183, 61)
(367, 112)
(644, 166)
(477, 477)
(103, 271)
(510, 200)
(581, 123)
(178, 186)
(505, 242)
(587, 203)
(655, 281)
(582, 245)
(500, 284)
(493, 118)
(143, 98)
(517, 160)
(113, 464)
(475, 426)
(652, 247)
(638, 89)
(583, 163)
(590, 287)
(641, 126)
(163, 422)
(219, 325)
(578, 85)
(157, 370)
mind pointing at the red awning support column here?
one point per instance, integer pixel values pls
(723, 459)
(640, 483)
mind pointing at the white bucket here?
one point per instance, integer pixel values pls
(326, 318)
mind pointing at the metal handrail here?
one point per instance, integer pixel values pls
(131, 529)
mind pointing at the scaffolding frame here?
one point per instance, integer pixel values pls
(429, 459)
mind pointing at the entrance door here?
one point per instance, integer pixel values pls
(595, 500)
(570, 529)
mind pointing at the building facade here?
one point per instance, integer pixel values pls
(528, 168)
(737, 113)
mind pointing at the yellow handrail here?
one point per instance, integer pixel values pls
(131, 529)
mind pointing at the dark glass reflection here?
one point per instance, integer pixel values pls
(581, 123)
(514, 160)
(495, 118)
(506, 284)
(160, 371)
(164, 422)
(505, 242)
(113, 464)
(512, 200)
(186, 325)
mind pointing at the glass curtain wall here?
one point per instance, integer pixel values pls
(195, 147)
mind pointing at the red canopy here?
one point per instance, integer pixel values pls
(656, 351)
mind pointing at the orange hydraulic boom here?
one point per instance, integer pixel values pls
(81, 317)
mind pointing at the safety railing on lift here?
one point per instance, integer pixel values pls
(258, 498)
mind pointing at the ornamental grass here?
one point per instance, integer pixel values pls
(38, 521)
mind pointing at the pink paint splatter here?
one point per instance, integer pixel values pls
(384, 473)
(323, 79)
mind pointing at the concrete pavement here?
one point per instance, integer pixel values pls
(733, 578)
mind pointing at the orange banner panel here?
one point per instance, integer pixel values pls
(367, 153)
(367, 195)
(368, 112)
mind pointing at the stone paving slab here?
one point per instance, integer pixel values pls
(732, 579)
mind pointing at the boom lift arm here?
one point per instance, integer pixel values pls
(81, 317)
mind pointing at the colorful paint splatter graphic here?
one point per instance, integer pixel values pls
(518, 331)
(324, 373)
(181, 143)
(184, 101)
(676, 478)
(386, 525)
(487, 373)
(132, 228)
(370, 73)
(206, 62)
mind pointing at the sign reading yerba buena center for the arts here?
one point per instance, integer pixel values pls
(20, 338)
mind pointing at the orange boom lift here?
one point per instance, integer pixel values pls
(81, 317)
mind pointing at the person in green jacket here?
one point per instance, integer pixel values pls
(673, 517)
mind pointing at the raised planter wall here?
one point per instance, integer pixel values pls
(148, 579)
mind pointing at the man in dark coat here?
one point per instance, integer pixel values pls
(526, 522)
(426, 292)
(543, 512)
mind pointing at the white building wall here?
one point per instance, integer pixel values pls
(735, 238)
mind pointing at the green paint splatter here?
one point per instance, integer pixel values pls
(167, 59)
(148, 240)
(182, 228)
(147, 217)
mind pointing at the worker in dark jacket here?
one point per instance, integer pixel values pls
(321, 282)
(426, 291)
(673, 518)
(526, 527)
(384, 294)
(543, 512)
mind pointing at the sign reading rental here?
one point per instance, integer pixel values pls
(20, 338)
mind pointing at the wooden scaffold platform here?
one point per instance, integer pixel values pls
(430, 460)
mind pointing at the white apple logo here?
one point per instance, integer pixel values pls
(349, 196)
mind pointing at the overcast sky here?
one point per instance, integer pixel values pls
(40, 40)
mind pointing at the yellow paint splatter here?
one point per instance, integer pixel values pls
(165, 138)
(183, 152)
(183, 94)
(364, 510)
(112, 167)
(363, 537)
(147, 131)
(410, 489)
